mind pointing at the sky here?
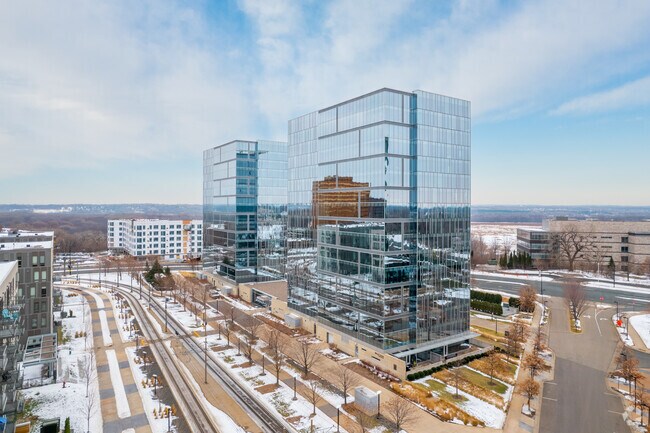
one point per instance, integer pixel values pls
(114, 101)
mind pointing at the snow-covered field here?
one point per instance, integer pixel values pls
(501, 234)
(641, 325)
(123, 409)
(55, 401)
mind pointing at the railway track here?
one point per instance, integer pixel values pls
(269, 422)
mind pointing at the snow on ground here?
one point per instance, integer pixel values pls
(189, 321)
(608, 285)
(491, 415)
(486, 317)
(513, 273)
(621, 332)
(149, 402)
(54, 401)
(279, 400)
(106, 332)
(641, 324)
(501, 234)
(226, 423)
(123, 409)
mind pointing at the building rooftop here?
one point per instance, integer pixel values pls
(5, 269)
(11, 233)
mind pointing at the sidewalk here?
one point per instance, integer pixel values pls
(108, 394)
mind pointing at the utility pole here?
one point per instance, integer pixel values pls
(166, 299)
(205, 360)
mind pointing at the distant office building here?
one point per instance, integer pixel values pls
(12, 327)
(170, 239)
(245, 210)
(33, 252)
(626, 242)
(378, 235)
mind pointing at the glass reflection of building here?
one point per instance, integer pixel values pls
(378, 234)
(245, 210)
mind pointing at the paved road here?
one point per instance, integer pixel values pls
(577, 400)
(630, 297)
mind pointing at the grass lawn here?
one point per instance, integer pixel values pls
(482, 381)
(488, 331)
(440, 390)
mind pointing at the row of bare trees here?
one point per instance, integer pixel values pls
(281, 350)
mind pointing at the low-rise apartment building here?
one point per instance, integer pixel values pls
(33, 251)
(626, 242)
(170, 239)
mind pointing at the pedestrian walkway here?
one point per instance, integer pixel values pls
(116, 382)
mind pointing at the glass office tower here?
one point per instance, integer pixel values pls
(245, 210)
(378, 235)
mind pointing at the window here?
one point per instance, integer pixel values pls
(42, 260)
(624, 259)
(624, 249)
(34, 260)
(34, 322)
(37, 307)
(43, 292)
(20, 292)
(43, 321)
(32, 291)
(43, 275)
(36, 276)
(625, 239)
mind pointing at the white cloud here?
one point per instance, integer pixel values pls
(92, 82)
(627, 96)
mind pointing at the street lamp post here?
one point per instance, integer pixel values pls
(169, 420)
(294, 388)
(205, 361)
(541, 284)
(166, 299)
(263, 370)
(338, 419)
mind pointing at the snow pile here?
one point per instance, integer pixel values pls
(622, 332)
(641, 324)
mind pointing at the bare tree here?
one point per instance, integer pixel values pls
(306, 355)
(628, 368)
(529, 389)
(534, 363)
(253, 328)
(313, 394)
(456, 376)
(90, 407)
(88, 370)
(277, 344)
(494, 365)
(515, 335)
(575, 297)
(226, 330)
(400, 412)
(480, 254)
(345, 379)
(571, 244)
(527, 299)
(539, 344)
(249, 347)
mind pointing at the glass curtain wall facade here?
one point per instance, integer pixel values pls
(245, 210)
(379, 216)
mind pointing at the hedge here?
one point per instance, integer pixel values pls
(486, 307)
(429, 372)
(494, 298)
(513, 302)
